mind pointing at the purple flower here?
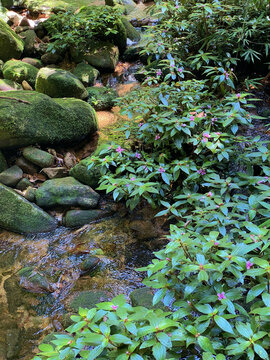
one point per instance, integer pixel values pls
(201, 171)
(132, 179)
(140, 124)
(157, 137)
(159, 72)
(110, 147)
(127, 185)
(161, 170)
(119, 150)
(180, 70)
(221, 295)
(249, 265)
(137, 155)
(206, 137)
(192, 118)
(114, 307)
(238, 96)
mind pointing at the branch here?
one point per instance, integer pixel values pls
(15, 99)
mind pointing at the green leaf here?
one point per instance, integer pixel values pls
(159, 352)
(164, 339)
(95, 352)
(261, 351)
(255, 291)
(223, 324)
(266, 299)
(120, 339)
(262, 311)
(205, 344)
(244, 330)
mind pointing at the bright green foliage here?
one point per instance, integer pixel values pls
(81, 29)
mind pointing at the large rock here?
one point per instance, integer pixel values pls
(38, 157)
(87, 74)
(19, 215)
(66, 191)
(132, 33)
(101, 98)
(86, 176)
(78, 218)
(103, 56)
(11, 176)
(29, 39)
(19, 71)
(86, 299)
(59, 83)
(28, 117)
(11, 45)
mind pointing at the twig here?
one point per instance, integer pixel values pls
(11, 98)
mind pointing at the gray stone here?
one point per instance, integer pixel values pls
(19, 215)
(33, 61)
(68, 192)
(89, 264)
(23, 184)
(87, 299)
(56, 172)
(11, 176)
(38, 157)
(26, 166)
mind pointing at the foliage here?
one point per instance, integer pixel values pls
(81, 29)
(187, 152)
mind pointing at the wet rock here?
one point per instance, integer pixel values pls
(87, 74)
(86, 176)
(50, 58)
(11, 176)
(144, 229)
(3, 163)
(18, 71)
(32, 61)
(9, 85)
(70, 160)
(78, 218)
(30, 194)
(103, 56)
(24, 22)
(33, 281)
(56, 172)
(59, 83)
(11, 45)
(12, 341)
(101, 98)
(87, 299)
(23, 184)
(29, 39)
(28, 118)
(89, 264)
(14, 293)
(19, 215)
(38, 157)
(26, 166)
(67, 191)
(144, 297)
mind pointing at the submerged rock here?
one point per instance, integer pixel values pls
(144, 297)
(18, 71)
(38, 157)
(89, 264)
(86, 176)
(19, 215)
(87, 299)
(34, 281)
(11, 176)
(66, 191)
(11, 45)
(59, 83)
(78, 218)
(28, 118)
(87, 74)
(101, 98)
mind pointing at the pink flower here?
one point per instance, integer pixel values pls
(137, 155)
(206, 137)
(249, 265)
(110, 147)
(157, 137)
(192, 118)
(238, 96)
(210, 194)
(140, 124)
(216, 243)
(119, 150)
(221, 295)
(114, 307)
(180, 70)
(177, 7)
(168, 259)
(159, 72)
(132, 179)
(161, 170)
(127, 185)
(218, 133)
(201, 171)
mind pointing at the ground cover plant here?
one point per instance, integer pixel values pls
(188, 155)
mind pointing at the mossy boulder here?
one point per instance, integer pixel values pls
(29, 39)
(144, 297)
(59, 83)
(8, 85)
(86, 73)
(78, 218)
(87, 299)
(101, 98)
(11, 176)
(19, 71)
(38, 157)
(67, 192)
(19, 215)
(11, 45)
(28, 118)
(84, 175)
(103, 56)
(132, 33)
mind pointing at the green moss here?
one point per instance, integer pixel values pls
(19, 71)
(38, 119)
(6, 85)
(87, 299)
(101, 98)
(132, 33)
(22, 216)
(83, 174)
(11, 45)
(48, 6)
(59, 83)
(87, 74)
(103, 56)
